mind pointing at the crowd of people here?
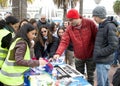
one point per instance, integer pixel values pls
(80, 42)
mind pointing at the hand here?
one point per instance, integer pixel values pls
(56, 56)
(50, 60)
(42, 62)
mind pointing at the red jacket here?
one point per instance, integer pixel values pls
(82, 38)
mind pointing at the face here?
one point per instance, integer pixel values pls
(65, 24)
(31, 35)
(15, 27)
(97, 19)
(43, 18)
(60, 32)
(73, 22)
(35, 24)
(44, 31)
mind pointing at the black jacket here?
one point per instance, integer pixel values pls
(106, 43)
(39, 24)
(49, 52)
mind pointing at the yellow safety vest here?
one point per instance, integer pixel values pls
(11, 73)
(3, 51)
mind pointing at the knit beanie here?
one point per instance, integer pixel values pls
(73, 14)
(100, 12)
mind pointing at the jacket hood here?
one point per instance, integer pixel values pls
(112, 20)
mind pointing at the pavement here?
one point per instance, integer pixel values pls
(111, 72)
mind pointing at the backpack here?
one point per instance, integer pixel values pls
(111, 19)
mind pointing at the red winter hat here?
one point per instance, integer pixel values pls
(73, 14)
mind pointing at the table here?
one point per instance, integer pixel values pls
(45, 79)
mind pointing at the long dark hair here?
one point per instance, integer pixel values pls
(60, 28)
(22, 33)
(40, 36)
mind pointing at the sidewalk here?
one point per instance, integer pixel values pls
(111, 72)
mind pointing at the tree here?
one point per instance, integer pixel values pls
(116, 7)
(3, 3)
(64, 5)
(19, 7)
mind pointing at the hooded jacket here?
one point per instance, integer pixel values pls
(106, 42)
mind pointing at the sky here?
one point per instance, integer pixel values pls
(87, 4)
(90, 4)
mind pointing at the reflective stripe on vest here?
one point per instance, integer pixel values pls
(3, 51)
(2, 58)
(11, 73)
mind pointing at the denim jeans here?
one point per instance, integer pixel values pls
(102, 74)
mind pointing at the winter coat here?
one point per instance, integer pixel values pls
(48, 52)
(106, 42)
(82, 37)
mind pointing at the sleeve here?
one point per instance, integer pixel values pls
(54, 46)
(94, 30)
(63, 43)
(112, 41)
(20, 50)
(37, 50)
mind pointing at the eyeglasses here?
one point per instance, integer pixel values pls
(43, 31)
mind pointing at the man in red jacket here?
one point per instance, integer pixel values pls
(81, 33)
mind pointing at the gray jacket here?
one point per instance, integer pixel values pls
(106, 43)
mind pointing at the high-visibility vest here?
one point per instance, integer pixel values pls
(3, 51)
(11, 73)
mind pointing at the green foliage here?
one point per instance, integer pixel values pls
(3, 3)
(116, 7)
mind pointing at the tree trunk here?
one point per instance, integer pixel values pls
(64, 11)
(72, 5)
(19, 9)
(81, 7)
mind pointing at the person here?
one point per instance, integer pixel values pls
(53, 29)
(65, 24)
(22, 22)
(81, 33)
(11, 24)
(116, 60)
(43, 21)
(33, 22)
(45, 44)
(69, 51)
(7, 28)
(105, 45)
(3, 46)
(60, 33)
(18, 59)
